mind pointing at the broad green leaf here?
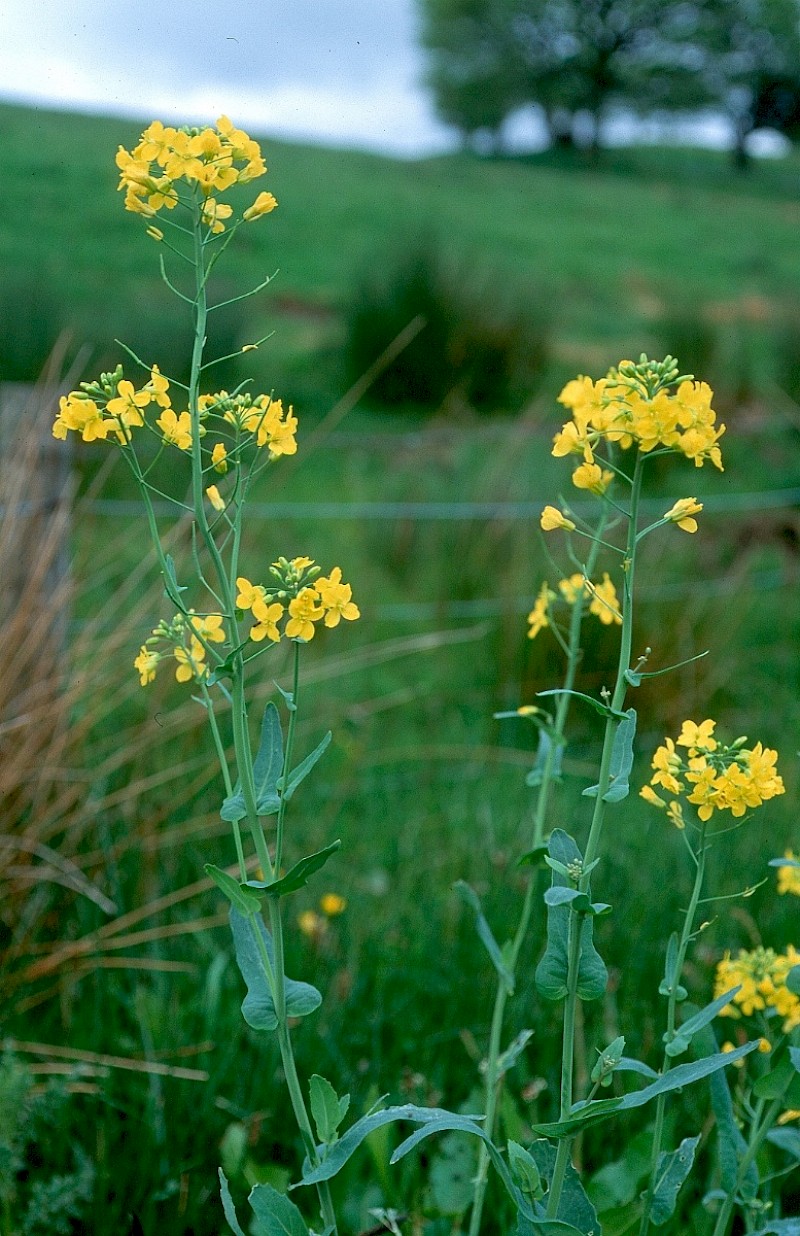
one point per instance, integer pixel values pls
(621, 761)
(228, 1208)
(546, 752)
(597, 705)
(233, 808)
(303, 769)
(258, 1007)
(693, 1025)
(470, 898)
(298, 875)
(731, 1145)
(574, 1206)
(451, 1174)
(525, 1171)
(246, 903)
(327, 1108)
(793, 979)
(617, 1184)
(551, 972)
(533, 858)
(783, 1081)
(628, 1065)
(591, 1112)
(546, 1227)
(432, 1119)
(277, 1215)
(786, 1139)
(671, 1171)
(268, 764)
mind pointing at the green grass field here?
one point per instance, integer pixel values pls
(422, 785)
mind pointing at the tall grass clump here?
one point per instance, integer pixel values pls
(235, 636)
(472, 348)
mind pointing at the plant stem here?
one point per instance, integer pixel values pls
(672, 1008)
(494, 1080)
(759, 1130)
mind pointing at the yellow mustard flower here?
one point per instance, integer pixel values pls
(604, 603)
(538, 618)
(210, 627)
(147, 663)
(267, 616)
(219, 458)
(553, 518)
(789, 876)
(176, 430)
(332, 904)
(264, 203)
(336, 598)
(248, 593)
(304, 611)
(191, 662)
(681, 513)
(215, 498)
(573, 589)
(592, 477)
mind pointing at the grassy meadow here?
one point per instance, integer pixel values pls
(132, 1075)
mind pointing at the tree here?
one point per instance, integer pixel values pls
(490, 57)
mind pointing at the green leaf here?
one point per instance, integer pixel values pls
(246, 903)
(327, 1108)
(543, 755)
(268, 764)
(780, 1227)
(524, 1170)
(551, 972)
(303, 769)
(258, 1007)
(574, 1206)
(731, 1144)
(451, 1174)
(470, 898)
(597, 705)
(688, 1029)
(533, 858)
(298, 875)
(793, 980)
(508, 1058)
(621, 761)
(172, 588)
(591, 1112)
(787, 1140)
(432, 1119)
(276, 1213)
(671, 1172)
(782, 1081)
(228, 1208)
(233, 808)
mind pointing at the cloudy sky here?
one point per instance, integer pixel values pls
(339, 71)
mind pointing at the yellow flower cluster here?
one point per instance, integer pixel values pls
(263, 417)
(187, 637)
(210, 160)
(112, 407)
(720, 778)
(618, 409)
(303, 596)
(604, 603)
(761, 974)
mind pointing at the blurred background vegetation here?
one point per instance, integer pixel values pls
(424, 316)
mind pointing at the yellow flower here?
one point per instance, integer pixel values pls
(675, 814)
(336, 598)
(263, 204)
(304, 611)
(157, 387)
(81, 415)
(697, 737)
(191, 662)
(214, 212)
(332, 904)
(127, 404)
(649, 795)
(592, 477)
(538, 617)
(312, 924)
(215, 498)
(267, 617)
(176, 430)
(219, 458)
(210, 626)
(681, 513)
(553, 518)
(146, 664)
(789, 876)
(572, 589)
(248, 593)
(155, 233)
(604, 601)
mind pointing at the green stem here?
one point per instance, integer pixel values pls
(494, 1080)
(287, 759)
(595, 834)
(758, 1132)
(674, 979)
